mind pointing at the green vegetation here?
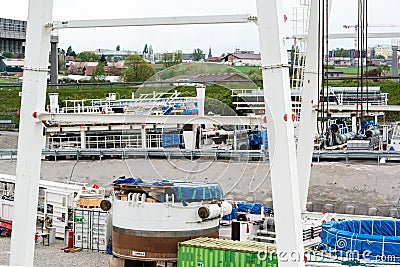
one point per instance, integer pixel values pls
(87, 57)
(172, 59)
(8, 55)
(137, 69)
(353, 69)
(70, 52)
(8, 80)
(98, 74)
(197, 54)
(246, 69)
(341, 52)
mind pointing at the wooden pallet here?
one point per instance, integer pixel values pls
(89, 207)
(89, 203)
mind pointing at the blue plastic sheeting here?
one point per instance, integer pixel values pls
(377, 240)
(171, 140)
(197, 191)
(190, 112)
(123, 180)
(253, 208)
(248, 207)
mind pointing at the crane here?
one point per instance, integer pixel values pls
(277, 89)
(356, 27)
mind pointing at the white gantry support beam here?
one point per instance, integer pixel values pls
(382, 35)
(30, 140)
(284, 178)
(96, 118)
(312, 82)
(184, 20)
(379, 35)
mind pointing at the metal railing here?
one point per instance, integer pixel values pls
(216, 154)
(124, 153)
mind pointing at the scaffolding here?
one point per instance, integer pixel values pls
(300, 31)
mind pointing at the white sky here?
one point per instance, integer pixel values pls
(222, 38)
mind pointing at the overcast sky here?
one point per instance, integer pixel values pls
(221, 38)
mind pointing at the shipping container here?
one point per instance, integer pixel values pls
(92, 229)
(213, 252)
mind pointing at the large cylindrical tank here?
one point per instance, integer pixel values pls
(148, 226)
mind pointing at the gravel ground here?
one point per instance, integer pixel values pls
(8, 140)
(49, 256)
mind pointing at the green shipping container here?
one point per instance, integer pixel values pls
(213, 252)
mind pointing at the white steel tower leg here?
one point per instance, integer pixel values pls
(285, 187)
(308, 121)
(30, 132)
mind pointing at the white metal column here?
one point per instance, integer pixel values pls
(143, 136)
(83, 137)
(30, 132)
(308, 121)
(285, 187)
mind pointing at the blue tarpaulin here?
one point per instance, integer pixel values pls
(124, 180)
(197, 191)
(171, 140)
(374, 239)
(253, 208)
(190, 112)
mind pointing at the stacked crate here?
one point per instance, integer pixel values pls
(91, 198)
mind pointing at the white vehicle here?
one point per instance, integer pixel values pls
(184, 82)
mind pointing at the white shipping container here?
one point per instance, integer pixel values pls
(92, 229)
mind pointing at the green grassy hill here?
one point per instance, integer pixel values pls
(221, 97)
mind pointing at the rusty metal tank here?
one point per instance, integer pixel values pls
(150, 219)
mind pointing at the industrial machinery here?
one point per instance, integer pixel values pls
(150, 219)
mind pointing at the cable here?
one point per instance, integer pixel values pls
(129, 169)
(72, 171)
(326, 24)
(366, 45)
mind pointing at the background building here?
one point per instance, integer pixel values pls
(12, 35)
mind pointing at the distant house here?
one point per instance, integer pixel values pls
(114, 68)
(243, 58)
(68, 60)
(332, 73)
(215, 59)
(377, 62)
(340, 61)
(85, 68)
(11, 66)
